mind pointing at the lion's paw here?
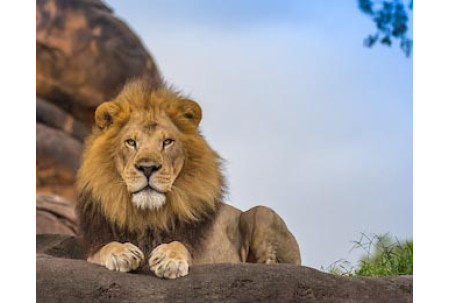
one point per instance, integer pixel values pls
(170, 261)
(122, 257)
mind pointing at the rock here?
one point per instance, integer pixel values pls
(55, 117)
(84, 55)
(62, 277)
(55, 215)
(57, 161)
(59, 139)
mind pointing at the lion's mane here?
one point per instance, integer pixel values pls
(105, 209)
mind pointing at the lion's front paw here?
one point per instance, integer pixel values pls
(170, 261)
(122, 257)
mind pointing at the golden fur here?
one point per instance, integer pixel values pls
(150, 188)
(195, 190)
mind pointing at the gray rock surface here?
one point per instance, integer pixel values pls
(63, 277)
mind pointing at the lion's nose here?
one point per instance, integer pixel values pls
(148, 170)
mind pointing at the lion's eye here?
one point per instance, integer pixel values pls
(167, 142)
(131, 143)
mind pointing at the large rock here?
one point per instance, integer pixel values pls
(62, 277)
(57, 160)
(55, 215)
(84, 55)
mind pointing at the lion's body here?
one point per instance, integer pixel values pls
(150, 185)
(235, 238)
(224, 237)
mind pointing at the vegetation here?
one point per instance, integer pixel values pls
(391, 20)
(383, 257)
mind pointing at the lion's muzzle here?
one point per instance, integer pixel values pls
(148, 168)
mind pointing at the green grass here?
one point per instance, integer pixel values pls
(383, 256)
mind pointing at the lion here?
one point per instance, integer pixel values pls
(151, 189)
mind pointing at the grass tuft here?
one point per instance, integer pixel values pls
(383, 256)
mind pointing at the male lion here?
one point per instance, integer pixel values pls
(151, 187)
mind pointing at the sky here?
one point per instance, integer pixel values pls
(309, 122)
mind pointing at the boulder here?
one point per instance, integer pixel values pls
(84, 55)
(63, 277)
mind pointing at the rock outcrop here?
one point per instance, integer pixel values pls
(63, 277)
(84, 55)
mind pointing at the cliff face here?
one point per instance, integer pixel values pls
(63, 277)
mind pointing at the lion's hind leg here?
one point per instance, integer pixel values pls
(266, 238)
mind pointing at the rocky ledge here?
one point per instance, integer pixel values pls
(63, 276)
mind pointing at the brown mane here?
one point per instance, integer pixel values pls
(194, 195)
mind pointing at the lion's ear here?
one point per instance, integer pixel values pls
(187, 113)
(191, 111)
(105, 114)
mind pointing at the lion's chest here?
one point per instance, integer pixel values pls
(219, 241)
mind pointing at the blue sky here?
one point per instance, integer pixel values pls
(309, 121)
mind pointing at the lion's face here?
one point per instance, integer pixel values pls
(150, 158)
(146, 163)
